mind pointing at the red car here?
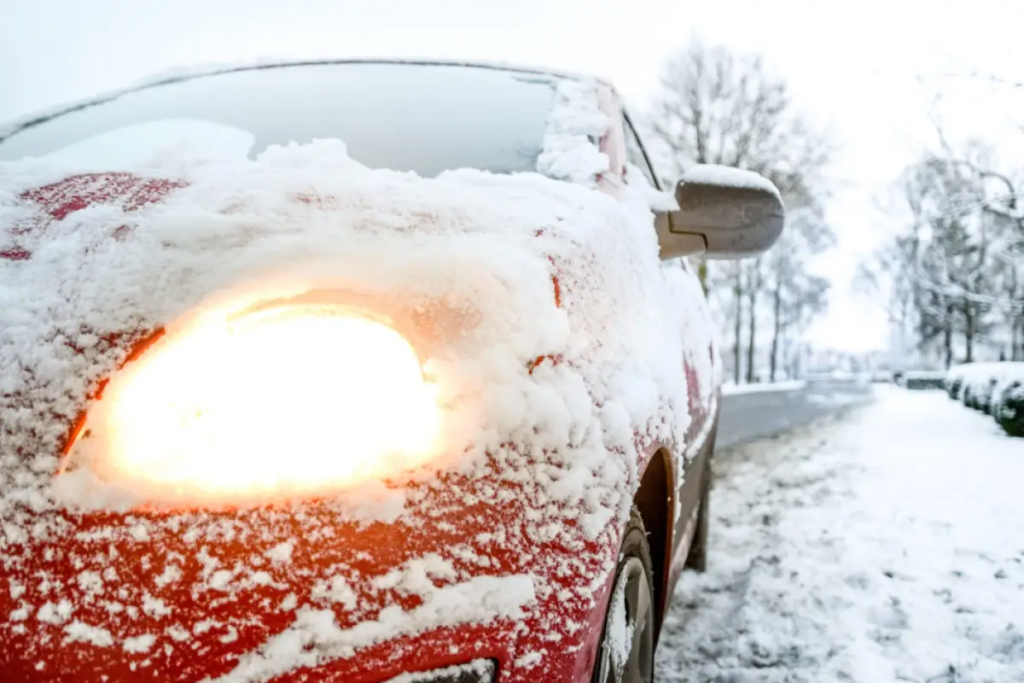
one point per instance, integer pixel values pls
(428, 404)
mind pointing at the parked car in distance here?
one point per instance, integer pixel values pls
(924, 379)
(996, 388)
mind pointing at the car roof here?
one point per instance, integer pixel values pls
(184, 74)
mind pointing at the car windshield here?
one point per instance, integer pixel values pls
(408, 117)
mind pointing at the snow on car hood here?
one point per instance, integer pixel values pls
(564, 316)
(566, 371)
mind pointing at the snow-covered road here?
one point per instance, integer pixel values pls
(884, 546)
(757, 415)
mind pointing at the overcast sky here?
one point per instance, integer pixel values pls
(857, 66)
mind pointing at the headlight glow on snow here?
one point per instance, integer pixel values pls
(291, 400)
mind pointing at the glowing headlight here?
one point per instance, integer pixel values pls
(293, 400)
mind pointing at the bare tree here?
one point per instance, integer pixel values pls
(957, 267)
(754, 281)
(796, 296)
(737, 294)
(718, 107)
(715, 106)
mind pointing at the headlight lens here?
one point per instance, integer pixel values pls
(273, 403)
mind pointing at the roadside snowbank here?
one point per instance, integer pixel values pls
(865, 551)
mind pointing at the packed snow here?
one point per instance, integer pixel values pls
(540, 310)
(130, 145)
(885, 546)
(619, 633)
(569, 152)
(729, 176)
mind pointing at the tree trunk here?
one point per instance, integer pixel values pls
(1017, 345)
(969, 332)
(777, 329)
(737, 290)
(752, 331)
(947, 336)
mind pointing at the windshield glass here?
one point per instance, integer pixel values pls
(407, 117)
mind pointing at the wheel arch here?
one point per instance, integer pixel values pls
(655, 499)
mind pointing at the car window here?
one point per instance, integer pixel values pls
(635, 153)
(408, 117)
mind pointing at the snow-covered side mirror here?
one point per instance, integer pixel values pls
(723, 212)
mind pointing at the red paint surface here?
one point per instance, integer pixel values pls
(15, 254)
(255, 615)
(78, 192)
(37, 651)
(74, 193)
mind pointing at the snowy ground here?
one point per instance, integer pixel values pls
(884, 546)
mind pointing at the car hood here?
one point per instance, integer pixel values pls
(531, 298)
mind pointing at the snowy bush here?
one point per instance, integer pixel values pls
(994, 388)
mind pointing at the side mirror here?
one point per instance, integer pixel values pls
(723, 212)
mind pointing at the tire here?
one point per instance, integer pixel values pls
(633, 589)
(697, 557)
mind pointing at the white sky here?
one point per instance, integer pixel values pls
(854, 65)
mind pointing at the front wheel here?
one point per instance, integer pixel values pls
(626, 654)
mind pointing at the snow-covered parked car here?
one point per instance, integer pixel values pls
(924, 379)
(273, 406)
(1008, 409)
(994, 388)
